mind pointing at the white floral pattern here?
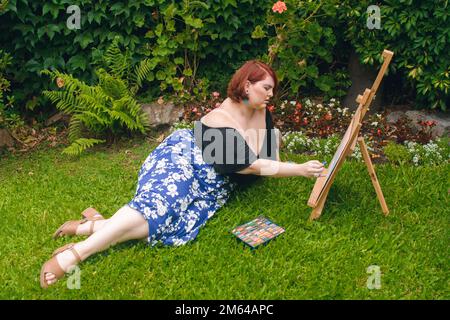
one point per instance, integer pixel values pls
(177, 191)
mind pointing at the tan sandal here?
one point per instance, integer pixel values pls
(69, 228)
(52, 265)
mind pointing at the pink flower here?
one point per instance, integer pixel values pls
(279, 7)
(217, 105)
(216, 94)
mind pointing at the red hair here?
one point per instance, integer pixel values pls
(252, 71)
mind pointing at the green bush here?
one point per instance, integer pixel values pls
(418, 32)
(397, 153)
(104, 109)
(37, 35)
(302, 45)
(433, 153)
(9, 117)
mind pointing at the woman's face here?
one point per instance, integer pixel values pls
(259, 92)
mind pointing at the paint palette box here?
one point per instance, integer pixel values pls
(257, 232)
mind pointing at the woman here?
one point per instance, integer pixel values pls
(189, 176)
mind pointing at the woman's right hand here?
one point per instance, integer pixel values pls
(312, 169)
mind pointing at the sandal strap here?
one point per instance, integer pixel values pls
(91, 228)
(92, 214)
(70, 247)
(75, 253)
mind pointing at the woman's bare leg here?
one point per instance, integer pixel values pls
(126, 224)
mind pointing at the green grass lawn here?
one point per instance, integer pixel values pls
(325, 259)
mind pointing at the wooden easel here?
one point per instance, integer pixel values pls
(323, 184)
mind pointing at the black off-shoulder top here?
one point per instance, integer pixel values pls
(228, 152)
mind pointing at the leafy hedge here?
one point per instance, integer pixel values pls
(38, 38)
(303, 48)
(418, 32)
(318, 37)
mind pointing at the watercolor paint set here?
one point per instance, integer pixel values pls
(257, 232)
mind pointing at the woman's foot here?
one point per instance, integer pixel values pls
(62, 261)
(91, 222)
(89, 227)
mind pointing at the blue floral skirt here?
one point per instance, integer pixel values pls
(177, 192)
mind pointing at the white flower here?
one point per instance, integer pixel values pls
(176, 176)
(161, 164)
(168, 221)
(199, 159)
(178, 242)
(210, 175)
(160, 207)
(172, 190)
(147, 186)
(149, 213)
(195, 185)
(190, 225)
(374, 124)
(184, 204)
(181, 161)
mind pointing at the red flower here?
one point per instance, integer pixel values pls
(430, 123)
(305, 121)
(379, 132)
(271, 108)
(279, 7)
(328, 116)
(298, 106)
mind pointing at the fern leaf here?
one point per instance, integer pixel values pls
(80, 145)
(114, 87)
(141, 71)
(117, 62)
(74, 129)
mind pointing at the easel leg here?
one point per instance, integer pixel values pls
(317, 211)
(373, 176)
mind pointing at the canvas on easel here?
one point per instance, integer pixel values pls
(323, 184)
